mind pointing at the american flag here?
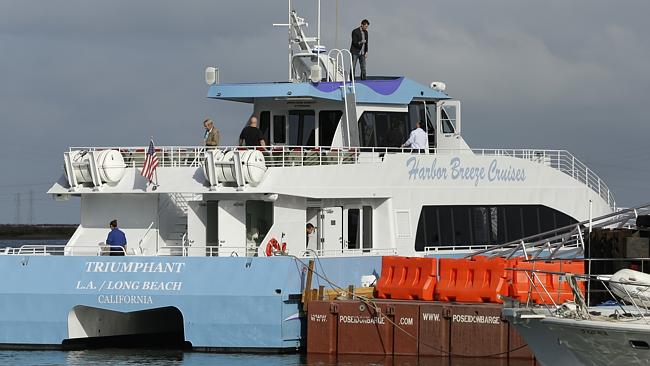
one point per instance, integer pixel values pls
(150, 162)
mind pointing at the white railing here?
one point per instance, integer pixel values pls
(179, 250)
(75, 250)
(454, 248)
(348, 252)
(290, 156)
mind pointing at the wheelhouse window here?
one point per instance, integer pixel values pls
(327, 123)
(448, 119)
(483, 225)
(279, 130)
(302, 128)
(265, 125)
(418, 112)
(383, 129)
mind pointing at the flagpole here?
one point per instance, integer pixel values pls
(155, 171)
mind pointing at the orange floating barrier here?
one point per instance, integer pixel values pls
(479, 279)
(407, 278)
(542, 282)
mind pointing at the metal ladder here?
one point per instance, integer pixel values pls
(348, 91)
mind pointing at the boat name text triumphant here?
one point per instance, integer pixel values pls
(134, 267)
(457, 171)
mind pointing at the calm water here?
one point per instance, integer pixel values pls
(127, 357)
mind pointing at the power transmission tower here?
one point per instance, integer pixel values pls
(18, 208)
(31, 207)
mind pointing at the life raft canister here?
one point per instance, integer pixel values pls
(273, 247)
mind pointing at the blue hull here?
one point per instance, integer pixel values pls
(224, 302)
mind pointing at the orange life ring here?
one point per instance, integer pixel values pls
(273, 246)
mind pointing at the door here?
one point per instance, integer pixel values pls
(330, 235)
(196, 228)
(448, 124)
(232, 228)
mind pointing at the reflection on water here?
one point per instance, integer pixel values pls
(128, 357)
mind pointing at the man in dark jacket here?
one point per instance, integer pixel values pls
(359, 47)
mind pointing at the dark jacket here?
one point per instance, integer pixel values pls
(356, 44)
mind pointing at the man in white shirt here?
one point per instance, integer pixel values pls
(418, 139)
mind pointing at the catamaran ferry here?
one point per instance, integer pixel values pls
(204, 264)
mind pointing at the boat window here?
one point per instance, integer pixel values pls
(514, 222)
(417, 112)
(302, 128)
(462, 226)
(265, 125)
(483, 225)
(446, 225)
(448, 119)
(279, 130)
(259, 219)
(547, 219)
(353, 228)
(212, 223)
(530, 220)
(383, 129)
(367, 227)
(327, 123)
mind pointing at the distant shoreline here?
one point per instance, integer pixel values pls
(42, 231)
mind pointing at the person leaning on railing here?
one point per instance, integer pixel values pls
(418, 139)
(116, 240)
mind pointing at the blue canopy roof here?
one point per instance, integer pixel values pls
(400, 90)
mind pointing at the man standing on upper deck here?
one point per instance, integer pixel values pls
(116, 240)
(251, 135)
(418, 139)
(359, 48)
(211, 137)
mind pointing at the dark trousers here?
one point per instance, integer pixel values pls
(117, 251)
(362, 64)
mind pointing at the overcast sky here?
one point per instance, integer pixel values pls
(565, 74)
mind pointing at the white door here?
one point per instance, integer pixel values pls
(448, 124)
(330, 235)
(232, 228)
(196, 227)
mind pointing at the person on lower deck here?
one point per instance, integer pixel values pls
(310, 230)
(418, 139)
(116, 240)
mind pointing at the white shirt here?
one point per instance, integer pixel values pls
(418, 139)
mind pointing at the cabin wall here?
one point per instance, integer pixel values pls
(289, 218)
(134, 214)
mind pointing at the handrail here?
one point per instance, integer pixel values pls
(47, 249)
(290, 155)
(567, 237)
(144, 236)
